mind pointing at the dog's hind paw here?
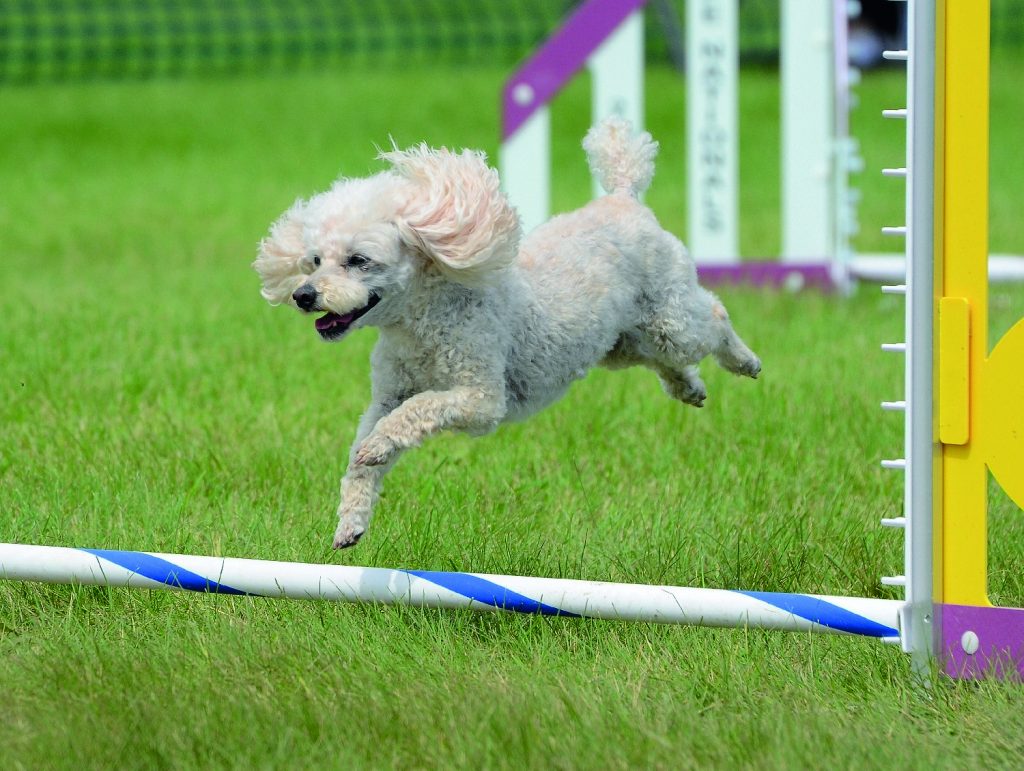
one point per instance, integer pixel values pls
(687, 387)
(752, 368)
(740, 362)
(692, 391)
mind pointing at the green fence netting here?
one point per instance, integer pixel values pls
(52, 40)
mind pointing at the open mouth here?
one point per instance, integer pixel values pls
(332, 325)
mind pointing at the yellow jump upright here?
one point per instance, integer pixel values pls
(979, 394)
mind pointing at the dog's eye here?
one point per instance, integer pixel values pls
(309, 263)
(358, 261)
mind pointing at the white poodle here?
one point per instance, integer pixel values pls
(476, 328)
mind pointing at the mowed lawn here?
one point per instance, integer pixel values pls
(151, 400)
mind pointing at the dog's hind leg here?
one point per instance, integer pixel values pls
(678, 335)
(684, 384)
(684, 332)
(729, 350)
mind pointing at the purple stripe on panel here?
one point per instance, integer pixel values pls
(777, 275)
(559, 58)
(977, 642)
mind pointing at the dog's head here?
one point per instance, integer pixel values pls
(355, 251)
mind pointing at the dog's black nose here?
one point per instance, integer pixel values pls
(305, 297)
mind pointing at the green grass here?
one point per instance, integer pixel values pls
(150, 400)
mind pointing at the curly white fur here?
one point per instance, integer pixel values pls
(476, 328)
(620, 161)
(279, 254)
(459, 218)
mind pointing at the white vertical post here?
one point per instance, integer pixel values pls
(920, 393)
(617, 70)
(808, 211)
(846, 159)
(525, 168)
(712, 139)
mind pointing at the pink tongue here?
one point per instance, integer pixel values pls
(332, 320)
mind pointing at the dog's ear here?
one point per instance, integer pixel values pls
(456, 215)
(279, 255)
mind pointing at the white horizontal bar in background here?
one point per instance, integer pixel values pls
(894, 522)
(895, 56)
(893, 267)
(900, 172)
(898, 114)
(894, 347)
(437, 589)
(899, 406)
(894, 289)
(895, 230)
(895, 463)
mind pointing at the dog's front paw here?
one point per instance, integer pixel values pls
(376, 450)
(350, 529)
(740, 360)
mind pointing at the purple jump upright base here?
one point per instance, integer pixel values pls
(774, 275)
(977, 642)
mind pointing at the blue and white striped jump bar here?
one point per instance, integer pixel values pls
(434, 589)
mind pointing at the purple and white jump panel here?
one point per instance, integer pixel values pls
(607, 36)
(439, 589)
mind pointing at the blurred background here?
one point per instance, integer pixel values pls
(47, 40)
(60, 40)
(377, 66)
